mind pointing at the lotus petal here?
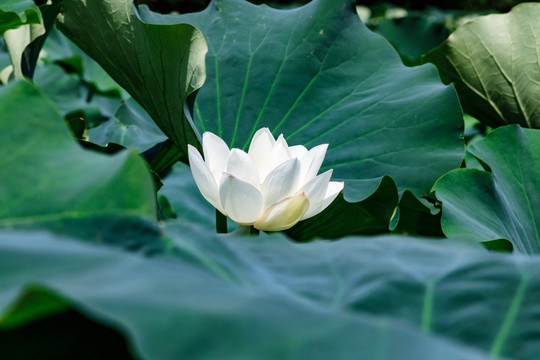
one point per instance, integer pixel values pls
(281, 182)
(334, 188)
(283, 214)
(203, 178)
(215, 152)
(241, 201)
(242, 167)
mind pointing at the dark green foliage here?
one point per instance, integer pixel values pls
(113, 253)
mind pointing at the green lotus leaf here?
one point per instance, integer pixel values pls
(266, 297)
(159, 66)
(318, 75)
(50, 181)
(14, 13)
(503, 203)
(493, 62)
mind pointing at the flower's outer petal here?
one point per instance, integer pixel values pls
(298, 151)
(241, 201)
(261, 146)
(215, 154)
(277, 156)
(281, 182)
(283, 214)
(240, 165)
(333, 190)
(203, 178)
(315, 189)
(312, 161)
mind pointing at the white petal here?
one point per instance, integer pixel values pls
(298, 151)
(261, 145)
(241, 201)
(281, 182)
(280, 152)
(283, 214)
(277, 156)
(334, 188)
(312, 161)
(215, 154)
(203, 178)
(315, 189)
(240, 165)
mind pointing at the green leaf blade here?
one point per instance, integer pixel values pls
(318, 75)
(160, 66)
(502, 204)
(171, 308)
(494, 64)
(51, 181)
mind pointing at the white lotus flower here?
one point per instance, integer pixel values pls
(272, 186)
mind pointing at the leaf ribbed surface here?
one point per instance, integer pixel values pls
(233, 297)
(493, 61)
(502, 204)
(318, 75)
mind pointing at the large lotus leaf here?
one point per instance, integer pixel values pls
(449, 288)
(267, 298)
(494, 64)
(14, 13)
(49, 180)
(318, 75)
(503, 203)
(159, 66)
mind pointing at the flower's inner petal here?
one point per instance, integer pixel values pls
(215, 154)
(283, 214)
(298, 151)
(242, 167)
(241, 201)
(277, 156)
(280, 152)
(261, 145)
(312, 161)
(203, 178)
(333, 190)
(281, 182)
